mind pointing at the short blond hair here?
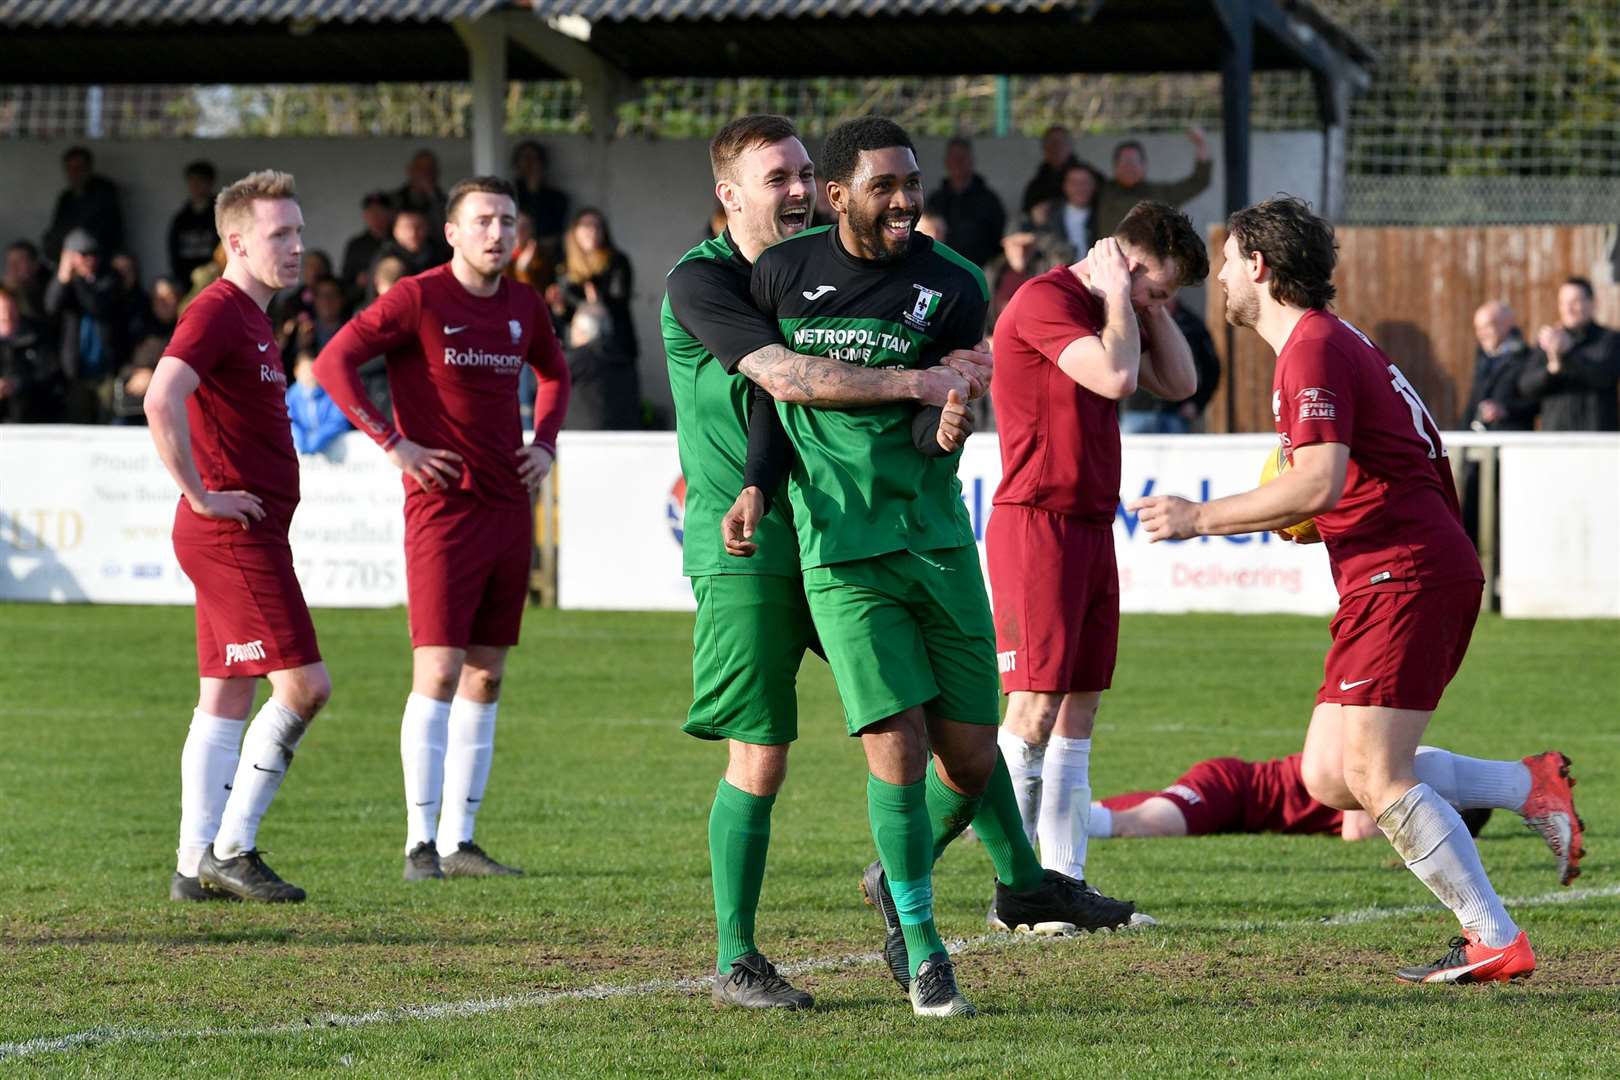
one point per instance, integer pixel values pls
(238, 199)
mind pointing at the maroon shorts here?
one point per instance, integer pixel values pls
(466, 571)
(1212, 795)
(251, 615)
(1055, 588)
(1398, 650)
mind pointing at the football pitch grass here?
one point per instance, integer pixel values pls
(1274, 955)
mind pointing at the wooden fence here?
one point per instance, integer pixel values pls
(1414, 292)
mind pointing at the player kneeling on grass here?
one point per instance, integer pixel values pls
(1230, 795)
(456, 338)
(217, 407)
(1367, 462)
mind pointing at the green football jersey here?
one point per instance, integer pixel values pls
(709, 324)
(859, 486)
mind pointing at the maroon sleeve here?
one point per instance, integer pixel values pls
(379, 329)
(551, 396)
(1052, 317)
(1316, 401)
(198, 337)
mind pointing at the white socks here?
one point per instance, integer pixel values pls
(1024, 763)
(1100, 825)
(266, 754)
(1473, 783)
(466, 770)
(207, 768)
(1427, 833)
(423, 733)
(1065, 805)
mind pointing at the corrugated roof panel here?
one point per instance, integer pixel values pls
(643, 10)
(44, 14)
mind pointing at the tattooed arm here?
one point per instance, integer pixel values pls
(819, 382)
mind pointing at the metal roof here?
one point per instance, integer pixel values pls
(250, 41)
(87, 13)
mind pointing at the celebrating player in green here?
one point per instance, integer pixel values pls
(891, 571)
(752, 624)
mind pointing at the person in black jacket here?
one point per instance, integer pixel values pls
(594, 272)
(377, 211)
(973, 214)
(1577, 376)
(89, 202)
(91, 307)
(1144, 414)
(1494, 402)
(546, 206)
(191, 231)
(1057, 154)
(29, 383)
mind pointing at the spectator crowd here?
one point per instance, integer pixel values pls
(82, 326)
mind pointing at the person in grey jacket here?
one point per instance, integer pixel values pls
(1577, 376)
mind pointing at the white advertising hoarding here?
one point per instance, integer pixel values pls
(1560, 520)
(86, 513)
(621, 526)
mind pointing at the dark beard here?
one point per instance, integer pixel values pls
(874, 244)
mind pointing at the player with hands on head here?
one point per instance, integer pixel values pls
(217, 410)
(456, 338)
(1070, 345)
(1368, 464)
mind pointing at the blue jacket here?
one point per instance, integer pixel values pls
(316, 418)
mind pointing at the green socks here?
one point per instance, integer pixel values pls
(904, 838)
(1000, 828)
(739, 836)
(949, 811)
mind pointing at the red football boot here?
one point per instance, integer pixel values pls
(1470, 961)
(1550, 811)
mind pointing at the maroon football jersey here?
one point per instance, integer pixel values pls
(241, 437)
(1397, 526)
(1059, 440)
(453, 365)
(1278, 801)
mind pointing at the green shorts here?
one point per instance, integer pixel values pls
(908, 629)
(751, 633)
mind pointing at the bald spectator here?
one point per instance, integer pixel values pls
(1130, 184)
(546, 206)
(1057, 154)
(377, 212)
(1494, 401)
(89, 202)
(973, 214)
(1576, 377)
(191, 230)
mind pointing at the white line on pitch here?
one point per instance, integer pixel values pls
(1375, 914)
(119, 1035)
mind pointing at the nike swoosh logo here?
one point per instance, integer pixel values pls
(261, 768)
(227, 787)
(821, 290)
(430, 802)
(451, 331)
(1453, 974)
(263, 347)
(1352, 685)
